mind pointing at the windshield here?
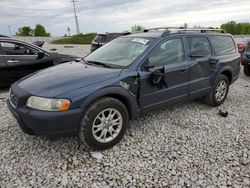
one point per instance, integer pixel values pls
(120, 52)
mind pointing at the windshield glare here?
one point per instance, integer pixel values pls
(120, 52)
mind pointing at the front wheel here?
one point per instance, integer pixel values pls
(104, 123)
(247, 70)
(219, 91)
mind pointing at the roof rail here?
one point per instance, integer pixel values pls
(167, 30)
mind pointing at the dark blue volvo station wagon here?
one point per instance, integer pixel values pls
(96, 97)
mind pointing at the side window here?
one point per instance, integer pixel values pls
(199, 46)
(223, 44)
(168, 52)
(9, 48)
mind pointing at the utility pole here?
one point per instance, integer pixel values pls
(68, 29)
(76, 20)
(9, 26)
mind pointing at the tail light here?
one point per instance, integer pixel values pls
(241, 48)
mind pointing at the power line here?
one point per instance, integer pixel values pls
(76, 20)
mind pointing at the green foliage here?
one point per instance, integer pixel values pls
(236, 28)
(137, 28)
(40, 31)
(77, 39)
(24, 31)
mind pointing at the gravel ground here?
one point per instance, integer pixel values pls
(186, 145)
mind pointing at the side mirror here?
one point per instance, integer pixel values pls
(147, 66)
(40, 55)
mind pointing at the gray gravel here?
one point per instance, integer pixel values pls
(186, 145)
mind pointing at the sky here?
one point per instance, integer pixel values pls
(118, 15)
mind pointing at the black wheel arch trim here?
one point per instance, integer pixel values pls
(118, 93)
(227, 71)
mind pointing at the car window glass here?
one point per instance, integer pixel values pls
(168, 52)
(101, 38)
(9, 48)
(199, 46)
(120, 52)
(223, 44)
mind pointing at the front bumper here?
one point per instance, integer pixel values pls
(52, 124)
(245, 62)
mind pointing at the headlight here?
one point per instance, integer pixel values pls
(48, 104)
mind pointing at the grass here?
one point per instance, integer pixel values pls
(76, 39)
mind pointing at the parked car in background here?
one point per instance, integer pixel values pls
(131, 75)
(18, 59)
(244, 50)
(102, 39)
(38, 43)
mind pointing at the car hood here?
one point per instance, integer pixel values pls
(65, 77)
(57, 55)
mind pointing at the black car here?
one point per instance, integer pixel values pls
(102, 39)
(18, 59)
(131, 75)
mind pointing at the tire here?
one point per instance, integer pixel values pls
(247, 70)
(105, 117)
(219, 92)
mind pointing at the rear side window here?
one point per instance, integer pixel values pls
(223, 44)
(199, 46)
(101, 38)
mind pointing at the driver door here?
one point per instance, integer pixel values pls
(168, 59)
(22, 60)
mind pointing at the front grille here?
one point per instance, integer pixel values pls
(13, 99)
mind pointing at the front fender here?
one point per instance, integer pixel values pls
(116, 92)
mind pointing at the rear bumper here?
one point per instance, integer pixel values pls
(52, 124)
(95, 46)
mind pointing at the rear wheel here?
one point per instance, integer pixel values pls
(219, 91)
(247, 70)
(104, 123)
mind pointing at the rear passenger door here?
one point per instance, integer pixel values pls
(200, 64)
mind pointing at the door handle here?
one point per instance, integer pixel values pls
(12, 61)
(184, 69)
(213, 60)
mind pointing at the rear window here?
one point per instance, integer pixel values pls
(113, 36)
(101, 38)
(223, 44)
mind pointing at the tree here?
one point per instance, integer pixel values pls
(40, 31)
(236, 28)
(137, 28)
(24, 31)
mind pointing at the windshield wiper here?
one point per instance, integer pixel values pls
(97, 63)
